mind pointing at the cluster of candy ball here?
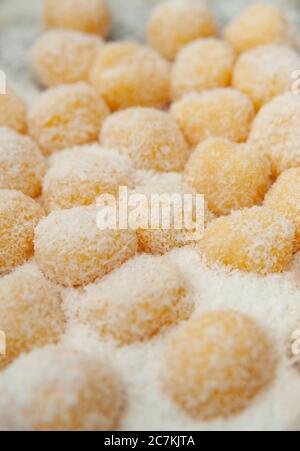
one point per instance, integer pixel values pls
(215, 110)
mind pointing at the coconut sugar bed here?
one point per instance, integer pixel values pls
(129, 330)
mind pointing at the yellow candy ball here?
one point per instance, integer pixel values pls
(216, 365)
(151, 138)
(230, 176)
(63, 56)
(162, 238)
(175, 23)
(127, 74)
(22, 165)
(12, 111)
(90, 16)
(255, 240)
(276, 132)
(259, 24)
(265, 72)
(78, 176)
(203, 64)
(30, 312)
(224, 113)
(66, 116)
(284, 197)
(19, 216)
(144, 308)
(59, 389)
(70, 248)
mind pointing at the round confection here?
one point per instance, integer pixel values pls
(59, 389)
(64, 56)
(265, 72)
(66, 116)
(12, 111)
(30, 312)
(129, 307)
(127, 74)
(19, 216)
(163, 212)
(22, 165)
(203, 64)
(259, 24)
(224, 113)
(255, 239)
(231, 176)
(284, 197)
(276, 132)
(70, 248)
(175, 23)
(151, 138)
(215, 365)
(79, 175)
(90, 16)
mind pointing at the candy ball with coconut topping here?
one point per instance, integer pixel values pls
(19, 215)
(63, 56)
(30, 312)
(12, 111)
(60, 389)
(22, 165)
(231, 176)
(256, 240)
(265, 72)
(175, 23)
(224, 113)
(151, 138)
(127, 74)
(276, 132)
(203, 64)
(154, 297)
(259, 24)
(90, 16)
(72, 250)
(215, 365)
(66, 116)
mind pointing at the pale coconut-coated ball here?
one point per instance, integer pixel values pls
(72, 250)
(265, 72)
(128, 74)
(79, 175)
(12, 111)
(215, 365)
(254, 240)
(284, 197)
(175, 23)
(276, 132)
(224, 113)
(63, 56)
(258, 24)
(31, 315)
(90, 16)
(203, 64)
(146, 296)
(57, 388)
(66, 116)
(19, 215)
(151, 138)
(231, 176)
(22, 165)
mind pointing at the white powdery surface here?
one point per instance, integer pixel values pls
(274, 301)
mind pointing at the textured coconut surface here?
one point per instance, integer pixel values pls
(273, 301)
